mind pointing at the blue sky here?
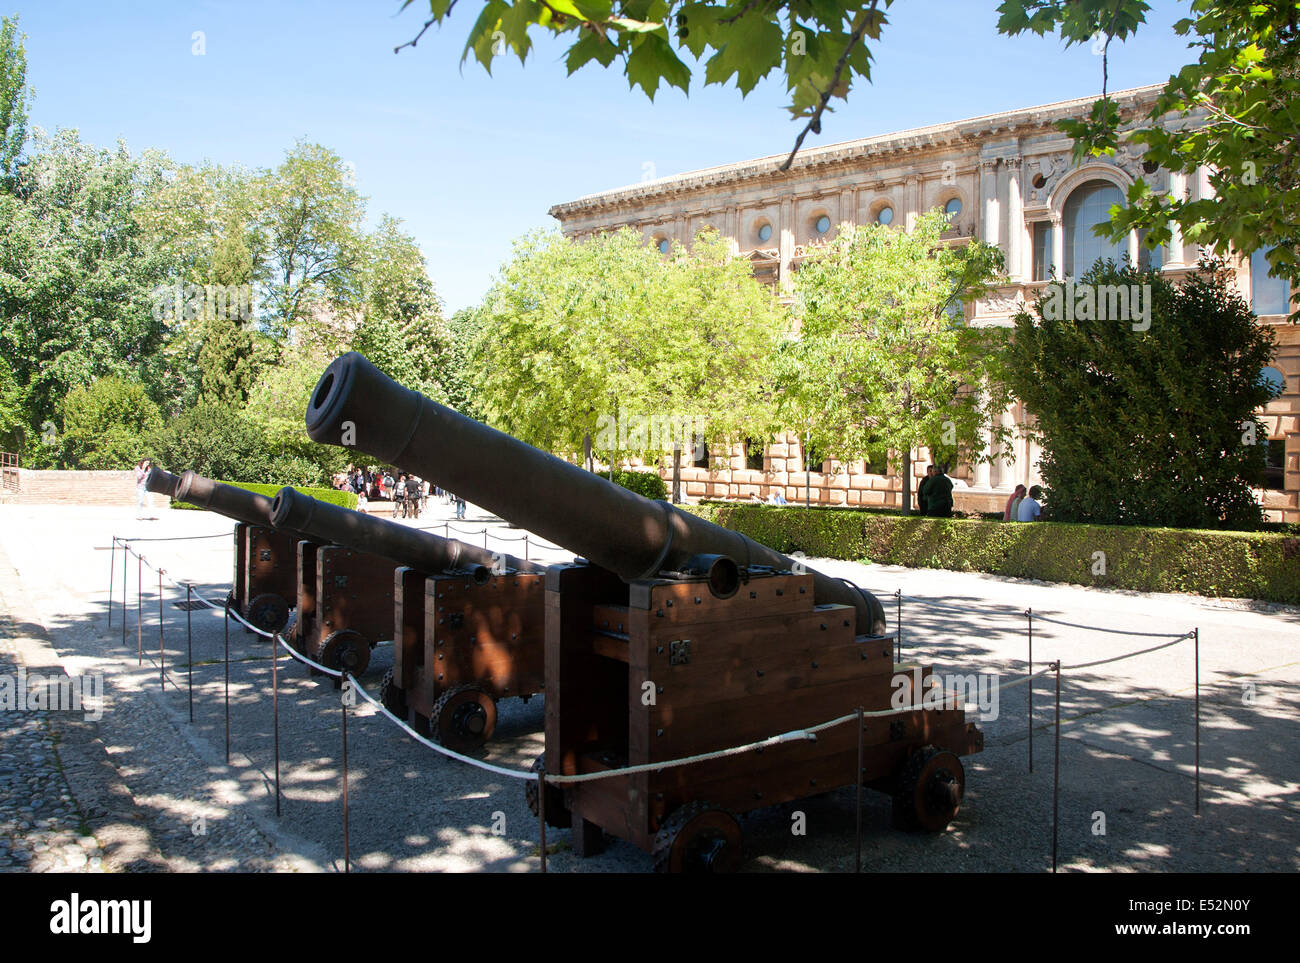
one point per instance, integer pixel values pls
(469, 161)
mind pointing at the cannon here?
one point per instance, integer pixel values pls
(265, 584)
(467, 624)
(354, 403)
(162, 482)
(671, 637)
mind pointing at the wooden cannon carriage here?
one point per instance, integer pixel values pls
(658, 670)
(264, 585)
(466, 623)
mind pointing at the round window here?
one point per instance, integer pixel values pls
(1273, 378)
(885, 216)
(664, 245)
(765, 232)
(823, 224)
(953, 207)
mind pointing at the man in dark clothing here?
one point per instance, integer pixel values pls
(923, 492)
(940, 500)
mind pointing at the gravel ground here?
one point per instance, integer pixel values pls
(41, 826)
(1127, 746)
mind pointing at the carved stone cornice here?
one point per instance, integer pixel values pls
(846, 156)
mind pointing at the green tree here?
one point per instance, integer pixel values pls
(107, 425)
(593, 339)
(275, 412)
(1242, 96)
(307, 232)
(213, 440)
(13, 421)
(78, 271)
(884, 362)
(401, 329)
(1146, 427)
(13, 98)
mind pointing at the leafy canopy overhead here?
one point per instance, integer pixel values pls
(818, 46)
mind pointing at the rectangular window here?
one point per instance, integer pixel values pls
(1275, 460)
(1042, 250)
(1268, 295)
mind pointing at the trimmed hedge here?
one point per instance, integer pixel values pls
(647, 483)
(1259, 565)
(333, 496)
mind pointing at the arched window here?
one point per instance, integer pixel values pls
(663, 245)
(1088, 205)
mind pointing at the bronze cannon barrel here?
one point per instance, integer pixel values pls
(356, 405)
(162, 482)
(237, 503)
(424, 551)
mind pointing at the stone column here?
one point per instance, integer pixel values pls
(989, 201)
(1015, 221)
(981, 470)
(787, 245)
(1177, 192)
(1006, 463)
(733, 229)
(912, 199)
(1201, 190)
(1058, 246)
(849, 206)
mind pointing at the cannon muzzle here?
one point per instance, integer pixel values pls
(326, 523)
(237, 503)
(162, 482)
(355, 405)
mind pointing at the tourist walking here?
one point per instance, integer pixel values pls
(141, 480)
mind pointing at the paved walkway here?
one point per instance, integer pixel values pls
(168, 799)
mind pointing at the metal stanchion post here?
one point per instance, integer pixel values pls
(189, 641)
(1056, 767)
(125, 548)
(227, 661)
(112, 559)
(1029, 613)
(162, 653)
(898, 621)
(858, 783)
(275, 713)
(347, 860)
(541, 811)
(1196, 649)
(525, 552)
(485, 540)
(139, 610)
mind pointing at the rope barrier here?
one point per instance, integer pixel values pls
(1098, 628)
(796, 735)
(172, 538)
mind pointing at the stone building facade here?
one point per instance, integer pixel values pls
(1006, 178)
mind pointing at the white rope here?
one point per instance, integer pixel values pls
(808, 734)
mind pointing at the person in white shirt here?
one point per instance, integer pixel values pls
(1030, 508)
